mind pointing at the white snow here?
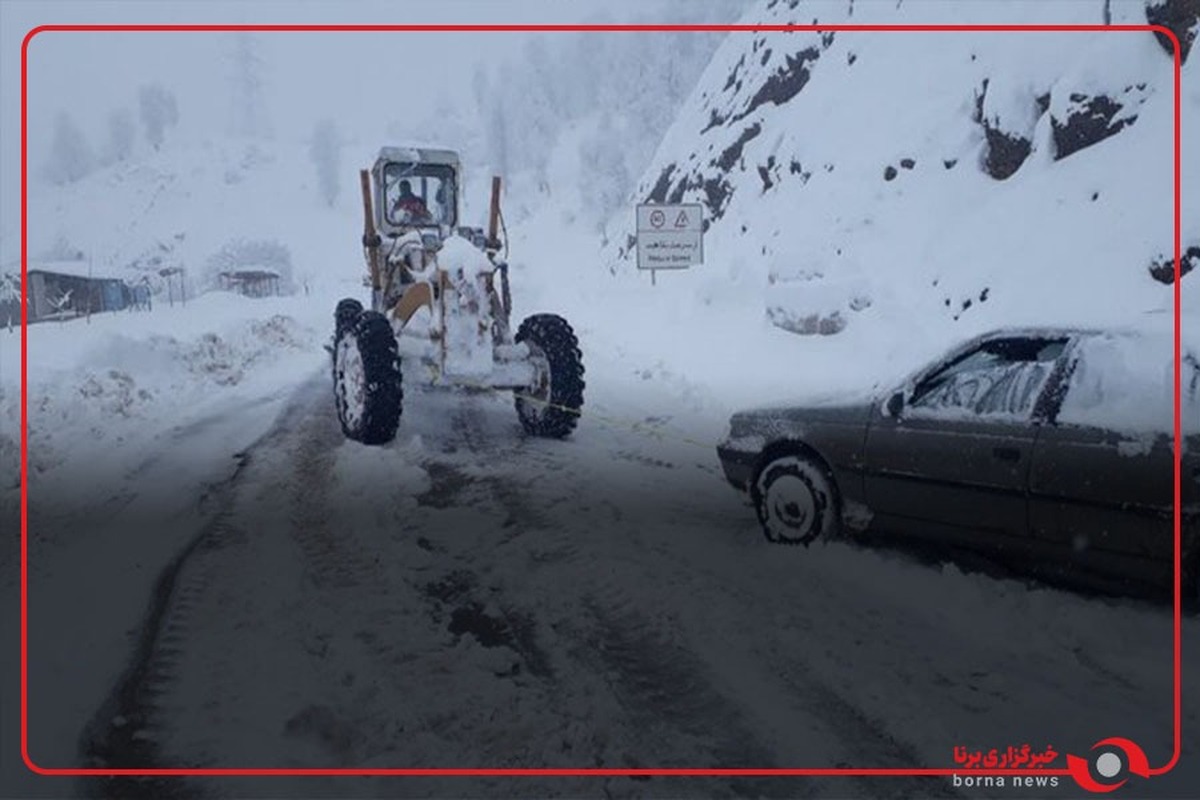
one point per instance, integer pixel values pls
(459, 255)
(745, 444)
(941, 254)
(1128, 382)
(125, 410)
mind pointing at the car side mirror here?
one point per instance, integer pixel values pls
(895, 405)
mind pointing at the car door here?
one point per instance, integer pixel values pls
(1102, 480)
(954, 462)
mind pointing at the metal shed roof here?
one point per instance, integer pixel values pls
(74, 269)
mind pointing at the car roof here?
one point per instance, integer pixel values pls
(1147, 331)
(1047, 332)
(1027, 331)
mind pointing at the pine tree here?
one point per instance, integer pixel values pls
(158, 111)
(249, 109)
(70, 156)
(325, 150)
(121, 134)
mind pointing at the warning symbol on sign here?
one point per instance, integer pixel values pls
(669, 236)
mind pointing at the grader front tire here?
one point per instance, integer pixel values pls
(551, 408)
(367, 383)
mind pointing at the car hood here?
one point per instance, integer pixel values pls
(772, 419)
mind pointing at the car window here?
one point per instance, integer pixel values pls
(1000, 378)
(1126, 383)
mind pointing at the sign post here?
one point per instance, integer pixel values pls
(669, 236)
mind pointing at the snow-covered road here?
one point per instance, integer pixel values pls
(219, 578)
(469, 597)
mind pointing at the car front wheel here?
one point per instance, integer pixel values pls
(795, 500)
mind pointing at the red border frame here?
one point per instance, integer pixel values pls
(699, 772)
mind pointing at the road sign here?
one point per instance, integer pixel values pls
(670, 236)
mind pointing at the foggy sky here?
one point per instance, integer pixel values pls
(362, 80)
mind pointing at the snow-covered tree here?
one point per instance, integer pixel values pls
(61, 249)
(532, 104)
(325, 149)
(498, 128)
(71, 158)
(121, 133)
(249, 107)
(497, 95)
(540, 117)
(450, 125)
(604, 174)
(10, 297)
(61, 301)
(480, 84)
(158, 112)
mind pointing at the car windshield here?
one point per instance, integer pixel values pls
(1002, 377)
(419, 194)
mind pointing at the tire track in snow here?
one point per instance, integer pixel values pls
(333, 555)
(129, 728)
(672, 677)
(180, 434)
(334, 560)
(792, 691)
(547, 540)
(458, 591)
(805, 666)
(598, 647)
(678, 716)
(652, 690)
(627, 633)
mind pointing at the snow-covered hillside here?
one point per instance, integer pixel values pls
(180, 206)
(907, 186)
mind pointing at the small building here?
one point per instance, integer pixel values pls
(251, 282)
(64, 289)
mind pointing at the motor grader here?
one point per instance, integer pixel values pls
(440, 306)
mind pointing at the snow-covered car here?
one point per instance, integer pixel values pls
(1050, 448)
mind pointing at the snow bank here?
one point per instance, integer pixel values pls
(121, 379)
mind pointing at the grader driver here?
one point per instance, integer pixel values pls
(440, 306)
